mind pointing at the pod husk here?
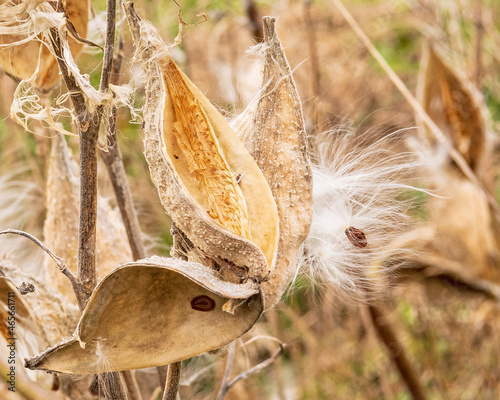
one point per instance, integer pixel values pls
(454, 105)
(272, 129)
(61, 223)
(20, 60)
(141, 316)
(196, 165)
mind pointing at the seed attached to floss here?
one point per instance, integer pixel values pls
(202, 303)
(356, 237)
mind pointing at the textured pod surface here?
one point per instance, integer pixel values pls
(153, 312)
(273, 131)
(21, 60)
(61, 223)
(206, 179)
(454, 105)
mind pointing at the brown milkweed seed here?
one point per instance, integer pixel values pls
(202, 303)
(356, 237)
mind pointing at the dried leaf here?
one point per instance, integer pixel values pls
(272, 129)
(142, 315)
(20, 60)
(453, 103)
(195, 160)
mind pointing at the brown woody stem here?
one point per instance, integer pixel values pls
(396, 352)
(172, 382)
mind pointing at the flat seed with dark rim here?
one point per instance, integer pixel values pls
(356, 236)
(202, 303)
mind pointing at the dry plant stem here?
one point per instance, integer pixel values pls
(478, 66)
(452, 151)
(131, 385)
(396, 352)
(88, 130)
(254, 369)
(313, 48)
(254, 20)
(114, 164)
(227, 371)
(59, 261)
(172, 382)
(111, 386)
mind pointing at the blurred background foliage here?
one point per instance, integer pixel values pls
(450, 333)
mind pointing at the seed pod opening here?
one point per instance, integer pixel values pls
(207, 181)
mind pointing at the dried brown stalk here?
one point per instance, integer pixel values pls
(88, 124)
(257, 368)
(396, 352)
(172, 381)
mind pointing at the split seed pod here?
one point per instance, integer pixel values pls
(162, 310)
(272, 129)
(454, 105)
(20, 60)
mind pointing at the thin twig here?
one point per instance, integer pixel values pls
(251, 371)
(172, 382)
(452, 151)
(227, 371)
(131, 385)
(61, 263)
(396, 352)
(113, 161)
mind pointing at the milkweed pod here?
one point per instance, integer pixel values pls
(61, 223)
(454, 105)
(153, 312)
(272, 129)
(21, 60)
(207, 181)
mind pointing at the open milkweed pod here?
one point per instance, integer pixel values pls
(150, 313)
(61, 223)
(22, 59)
(162, 310)
(454, 105)
(207, 181)
(272, 129)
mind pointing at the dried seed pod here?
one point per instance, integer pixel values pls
(273, 131)
(61, 223)
(454, 106)
(142, 315)
(20, 60)
(195, 158)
